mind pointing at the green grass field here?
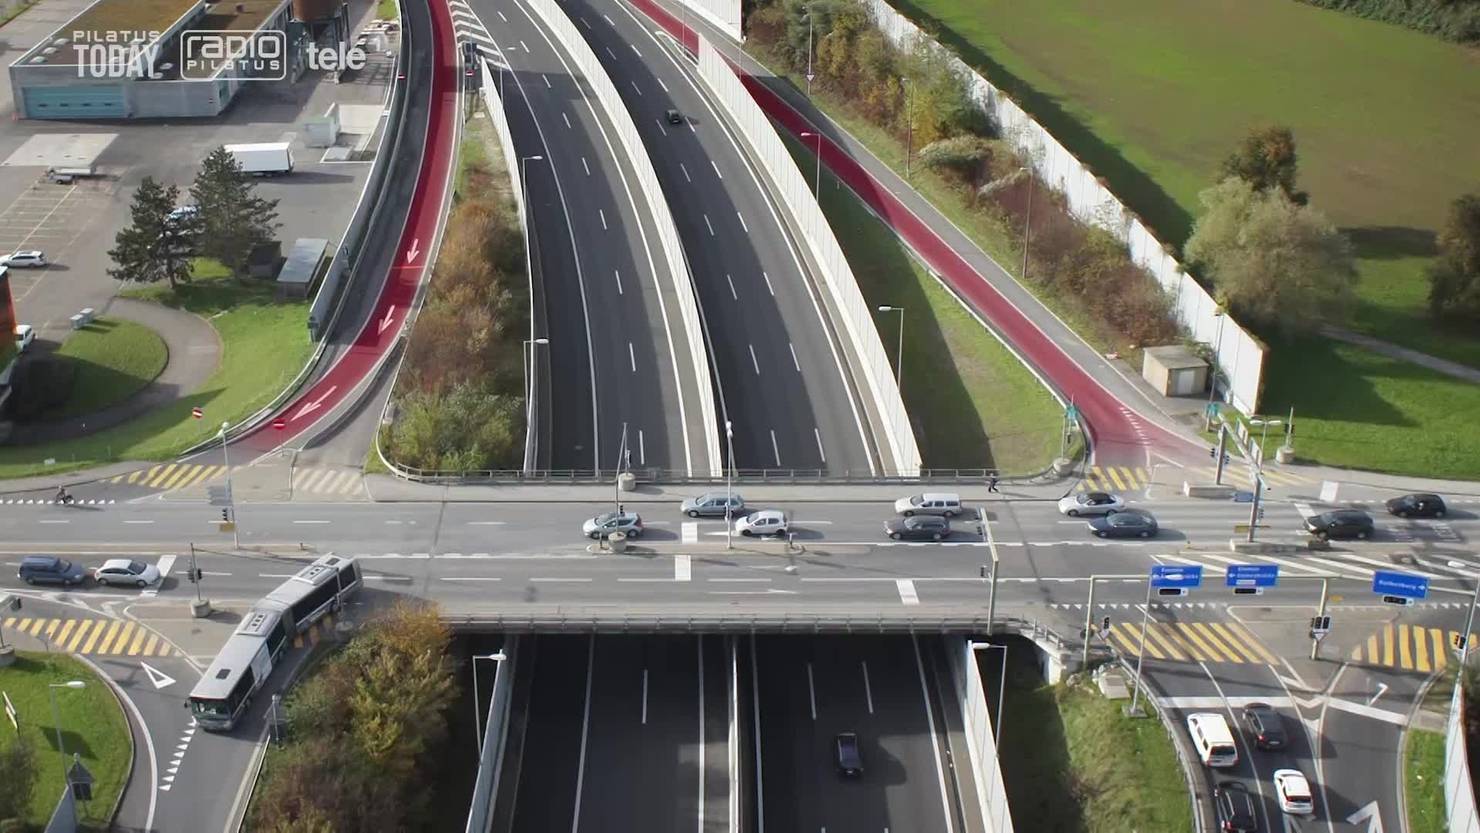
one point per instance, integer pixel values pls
(1423, 756)
(972, 403)
(387, 10)
(264, 346)
(1078, 765)
(113, 360)
(92, 725)
(1153, 96)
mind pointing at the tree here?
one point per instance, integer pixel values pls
(1454, 279)
(1270, 260)
(154, 247)
(1266, 159)
(233, 219)
(19, 773)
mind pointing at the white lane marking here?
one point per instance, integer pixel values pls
(586, 166)
(738, 214)
(632, 357)
(794, 362)
(611, 23)
(587, 24)
(868, 690)
(702, 744)
(575, 822)
(635, 87)
(611, 53)
(811, 691)
(486, 523)
(737, 580)
(524, 46)
(769, 288)
(685, 169)
(602, 212)
(558, 579)
(501, 16)
(775, 449)
(469, 578)
(644, 696)
(641, 448)
(1304, 509)
(709, 224)
(546, 78)
(731, 282)
(634, 50)
(312, 522)
(567, 119)
(820, 453)
(716, 169)
(661, 127)
(753, 363)
(53, 521)
(138, 522)
(690, 532)
(618, 275)
(661, 84)
(683, 568)
(907, 594)
(213, 573)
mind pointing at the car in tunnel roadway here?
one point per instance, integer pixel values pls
(850, 762)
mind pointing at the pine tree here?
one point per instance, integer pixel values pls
(233, 220)
(152, 247)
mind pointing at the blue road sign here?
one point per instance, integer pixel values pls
(1164, 575)
(1407, 585)
(1253, 575)
(1243, 497)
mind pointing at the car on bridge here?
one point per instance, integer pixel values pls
(608, 522)
(48, 569)
(1090, 503)
(712, 505)
(1341, 523)
(126, 571)
(945, 504)
(764, 522)
(918, 528)
(1132, 523)
(1293, 792)
(1420, 505)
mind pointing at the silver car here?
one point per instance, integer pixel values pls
(764, 522)
(609, 522)
(945, 504)
(712, 505)
(1091, 503)
(24, 258)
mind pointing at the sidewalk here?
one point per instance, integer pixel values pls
(1463, 372)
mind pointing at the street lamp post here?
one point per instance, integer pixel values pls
(1028, 220)
(817, 180)
(1213, 380)
(529, 377)
(56, 720)
(498, 657)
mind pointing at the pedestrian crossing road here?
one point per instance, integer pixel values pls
(1136, 478)
(1408, 647)
(1191, 642)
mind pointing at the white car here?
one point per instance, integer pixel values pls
(764, 522)
(1091, 503)
(1293, 792)
(23, 259)
(126, 571)
(24, 335)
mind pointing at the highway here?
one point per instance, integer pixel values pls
(783, 372)
(618, 347)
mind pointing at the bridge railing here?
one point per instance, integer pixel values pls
(965, 476)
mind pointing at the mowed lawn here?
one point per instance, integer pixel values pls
(113, 359)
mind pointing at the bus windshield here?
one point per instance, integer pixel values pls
(209, 708)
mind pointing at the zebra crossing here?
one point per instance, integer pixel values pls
(346, 482)
(1217, 642)
(1136, 478)
(177, 477)
(93, 636)
(469, 29)
(1409, 647)
(168, 477)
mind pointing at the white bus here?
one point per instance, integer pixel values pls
(242, 666)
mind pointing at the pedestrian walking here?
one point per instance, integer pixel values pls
(992, 482)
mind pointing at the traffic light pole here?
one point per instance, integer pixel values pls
(194, 573)
(1135, 710)
(1254, 507)
(1089, 613)
(1221, 454)
(1315, 641)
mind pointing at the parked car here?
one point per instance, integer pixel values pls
(764, 522)
(1235, 808)
(609, 522)
(1293, 792)
(850, 762)
(181, 213)
(1266, 725)
(712, 505)
(1090, 503)
(1419, 505)
(48, 569)
(1132, 523)
(126, 571)
(1341, 523)
(917, 528)
(945, 504)
(24, 335)
(23, 259)
(673, 116)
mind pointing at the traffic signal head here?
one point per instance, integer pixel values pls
(225, 514)
(1105, 624)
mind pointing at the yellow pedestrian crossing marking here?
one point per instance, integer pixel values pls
(168, 476)
(1409, 647)
(94, 637)
(1192, 641)
(1133, 478)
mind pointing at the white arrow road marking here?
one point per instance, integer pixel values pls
(1371, 815)
(413, 251)
(310, 407)
(386, 321)
(159, 678)
(1381, 688)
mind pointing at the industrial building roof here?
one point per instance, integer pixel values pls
(140, 18)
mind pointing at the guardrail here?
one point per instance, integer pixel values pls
(1459, 790)
(606, 92)
(495, 734)
(797, 198)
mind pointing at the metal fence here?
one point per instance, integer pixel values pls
(1459, 790)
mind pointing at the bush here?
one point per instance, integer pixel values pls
(1456, 20)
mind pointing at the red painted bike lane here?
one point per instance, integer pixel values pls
(412, 259)
(1119, 434)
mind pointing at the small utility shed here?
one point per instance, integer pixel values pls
(302, 267)
(1174, 370)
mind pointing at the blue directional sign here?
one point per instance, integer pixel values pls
(1253, 575)
(1164, 575)
(1407, 585)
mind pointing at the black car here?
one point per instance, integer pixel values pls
(1235, 808)
(1131, 523)
(1420, 505)
(1266, 725)
(917, 528)
(849, 761)
(1341, 523)
(673, 116)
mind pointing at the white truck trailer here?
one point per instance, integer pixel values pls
(263, 158)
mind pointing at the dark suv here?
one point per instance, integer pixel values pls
(48, 569)
(1235, 808)
(1341, 523)
(1266, 725)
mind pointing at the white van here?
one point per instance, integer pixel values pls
(1212, 739)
